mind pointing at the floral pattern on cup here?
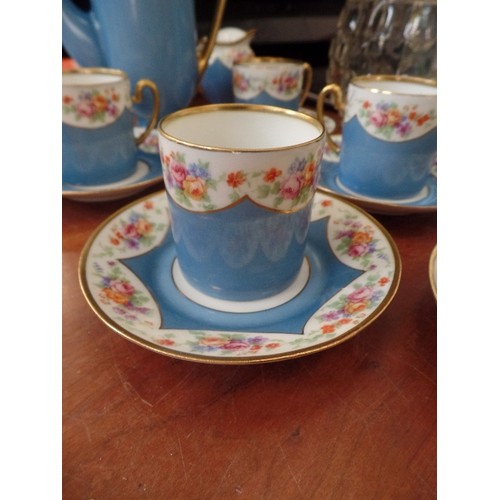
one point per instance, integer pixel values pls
(93, 106)
(232, 56)
(353, 238)
(285, 85)
(391, 119)
(195, 186)
(388, 119)
(242, 84)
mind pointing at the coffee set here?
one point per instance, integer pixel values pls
(254, 251)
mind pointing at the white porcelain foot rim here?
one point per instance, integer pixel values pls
(417, 197)
(233, 306)
(141, 170)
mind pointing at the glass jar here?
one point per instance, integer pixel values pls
(384, 37)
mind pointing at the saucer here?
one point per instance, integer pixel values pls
(147, 173)
(433, 271)
(126, 275)
(425, 201)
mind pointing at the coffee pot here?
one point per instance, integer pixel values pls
(153, 39)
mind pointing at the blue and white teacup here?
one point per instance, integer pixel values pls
(239, 196)
(98, 143)
(274, 81)
(389, 134)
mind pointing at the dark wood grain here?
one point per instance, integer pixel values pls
(357, 421)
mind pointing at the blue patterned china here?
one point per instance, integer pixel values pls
(424, 201)
(98, 143)
(240, 196)
(147, 173)
(389, 134)
(128, 276)
(155, 39)
(273, 81)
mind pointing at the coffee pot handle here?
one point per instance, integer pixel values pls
(308, 76)
(137, 98)
(339, 103)
(212, 38)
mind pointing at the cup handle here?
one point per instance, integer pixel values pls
(137, 98)
(339, 104)
(308, 76)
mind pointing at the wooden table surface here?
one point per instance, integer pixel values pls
(357, 421)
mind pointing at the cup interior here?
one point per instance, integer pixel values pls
(402, 87)
(270, 65)
(241, 128)
(90, 79)
(264, 65)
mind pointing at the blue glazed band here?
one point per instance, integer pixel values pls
(99, 155)
(242, 253)
(269, 100)
(378, 168)
(217, 83)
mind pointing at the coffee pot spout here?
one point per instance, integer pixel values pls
(79, 36)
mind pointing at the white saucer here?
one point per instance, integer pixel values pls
(126, 270)
(425, 201)
(148, 172)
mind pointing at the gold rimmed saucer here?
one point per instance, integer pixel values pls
(433, 271)
(125, 274)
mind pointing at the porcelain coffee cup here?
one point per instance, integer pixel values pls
(98, 142)
(240, 181)
(274, 81)
(389, 134)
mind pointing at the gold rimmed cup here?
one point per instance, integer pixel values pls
(275, 81)
(98, 143)
(389, 135)
(240, 180)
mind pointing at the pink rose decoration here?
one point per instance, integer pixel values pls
(235, 344)
(361, 294)
(213, 341)
(131, 231)
(122, 287)
(85, 108)
(178, 172)
(290, 187)
(358, 250)
(378, 118)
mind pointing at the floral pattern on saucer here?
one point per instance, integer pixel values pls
(118, 290)
(124, 302)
